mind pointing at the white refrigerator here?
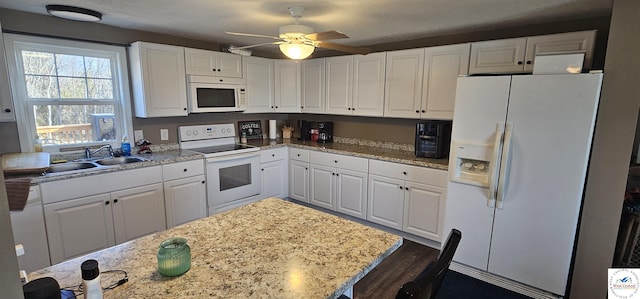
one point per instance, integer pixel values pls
(519, 154)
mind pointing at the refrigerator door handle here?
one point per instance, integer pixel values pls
(506, 150)
(493, 175)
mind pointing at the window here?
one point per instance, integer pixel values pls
(68, 94)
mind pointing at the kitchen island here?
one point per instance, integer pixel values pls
(269, 249)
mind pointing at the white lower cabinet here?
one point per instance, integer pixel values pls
(407, 198)
(338, 183)
(299, 174)
(273, 164)
(90, 213)
(185, 192)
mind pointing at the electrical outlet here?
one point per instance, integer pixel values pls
(138, 135)
(164, 134)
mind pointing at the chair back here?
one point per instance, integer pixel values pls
(426, 285)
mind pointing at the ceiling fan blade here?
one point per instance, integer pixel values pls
(327, 35)
(253, 35)
(253, 46)
(344, 48)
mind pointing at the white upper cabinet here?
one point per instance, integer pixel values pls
(442, 66)
(517, 55)
(287, 86)
(158, 80)
(7, 112)
(212, 63)
(368, 84)
(339, 84)
(313, 85)
(403, 84)
(259, 76)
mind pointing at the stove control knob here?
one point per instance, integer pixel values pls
(195, 133)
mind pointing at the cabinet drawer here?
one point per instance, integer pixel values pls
(271, 155)
(339, 161)
(429, 176)
(299, 154)
(182, 169)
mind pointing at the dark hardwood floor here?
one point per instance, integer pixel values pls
(402, 266)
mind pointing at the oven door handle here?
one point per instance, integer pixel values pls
(233, 157)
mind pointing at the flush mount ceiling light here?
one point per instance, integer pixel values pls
(74, 13)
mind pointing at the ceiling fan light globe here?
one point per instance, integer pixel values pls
(297, 51)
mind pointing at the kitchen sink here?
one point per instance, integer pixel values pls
(70, 166)
(120, 160)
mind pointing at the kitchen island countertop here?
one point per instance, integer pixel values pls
(269, 249)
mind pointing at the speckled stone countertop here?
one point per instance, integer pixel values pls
(268, 249)
(369, 152)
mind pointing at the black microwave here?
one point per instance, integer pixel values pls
(433, 139)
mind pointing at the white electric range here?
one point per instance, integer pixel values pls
(233, 170)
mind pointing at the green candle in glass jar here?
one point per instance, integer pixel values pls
(174, 257)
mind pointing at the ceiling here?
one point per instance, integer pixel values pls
(367, 22)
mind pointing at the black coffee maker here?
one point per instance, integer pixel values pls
(305, 129)
(325, 131)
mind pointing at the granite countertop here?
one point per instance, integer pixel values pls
(358, 150)
(269, 249)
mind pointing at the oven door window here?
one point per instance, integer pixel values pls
(216, 97)
(235, 176)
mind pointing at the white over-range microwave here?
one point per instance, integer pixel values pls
(216, 94)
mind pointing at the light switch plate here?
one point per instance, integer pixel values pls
(164, 134)
(138, 135)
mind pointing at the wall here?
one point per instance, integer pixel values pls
(612, 146)
(391, 130)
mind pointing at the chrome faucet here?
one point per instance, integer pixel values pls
(88, 153)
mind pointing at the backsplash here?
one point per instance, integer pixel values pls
(374, 143)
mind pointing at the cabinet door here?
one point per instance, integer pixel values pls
(185, 200)
(299, 180)
(403, 84)
(79, 226)
(274, 179)
(386, 201)
(351, 193)
(368, 84)
(442, 66)
(322, 186)
(158, 80)
(498, 56)
(424, 210)
(228, 65)
(29, 230)
(200, 62)
(258, 73)
(138, 212)
(572, 42)
(287, 86)
(7, 112)
(339, 83)
(313, 77)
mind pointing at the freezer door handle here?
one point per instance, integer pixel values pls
(493, 175)
(506, 151)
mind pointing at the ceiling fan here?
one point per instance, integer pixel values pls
(299, 41)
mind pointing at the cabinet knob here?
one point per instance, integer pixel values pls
(401, 187)
(276, 107)
(335, 161)
(273, 155)
(404, 172)
(213, 70)
(218, 70)
(333, 173)
(417, 111)
(271, 107)
(298, 155)
(262, 169)
(306, 168)
(106, 202)
(221, 80)
(301, 107)
(406, 188)
(7, 110)
(423, 111)
(353, 109)
(185, 170)
(519, 62)
(185, 109)
(115, 200)
(337, 174)
(203, 182)
(349, 109)
(528, 61)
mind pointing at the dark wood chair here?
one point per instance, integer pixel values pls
(426, 285)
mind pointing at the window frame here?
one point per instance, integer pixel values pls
(15, 43)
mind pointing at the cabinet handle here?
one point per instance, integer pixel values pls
(106, 202)
(519, 62)
(404, 172)
(115, 200)
(185, 170)
(528, 61)
(221, 80)
(7, 110)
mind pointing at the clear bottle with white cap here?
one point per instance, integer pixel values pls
(91, 280)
